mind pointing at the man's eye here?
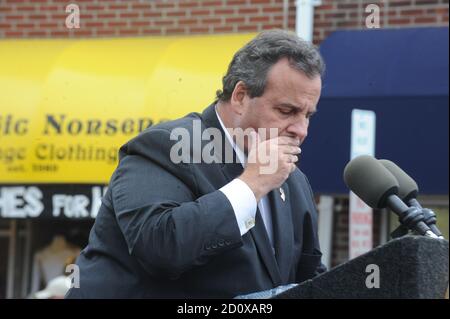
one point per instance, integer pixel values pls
(285, 112)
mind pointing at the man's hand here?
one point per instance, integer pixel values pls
(277, 155)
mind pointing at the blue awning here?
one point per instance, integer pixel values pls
(392, 62)
(400, 74)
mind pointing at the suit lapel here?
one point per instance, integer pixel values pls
(283, 229)
(264, 247)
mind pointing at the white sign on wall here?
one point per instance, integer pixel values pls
(360, 217)
(51, 201)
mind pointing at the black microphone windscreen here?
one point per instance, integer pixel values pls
(407, 187)
(370, 181)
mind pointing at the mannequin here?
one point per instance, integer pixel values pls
(49, 262)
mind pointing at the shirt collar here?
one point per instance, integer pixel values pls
(240, 154)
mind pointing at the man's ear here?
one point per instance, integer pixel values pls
(237, 97)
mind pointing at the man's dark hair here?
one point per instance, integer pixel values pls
(252, 62)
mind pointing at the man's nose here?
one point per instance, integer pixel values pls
(299, 129)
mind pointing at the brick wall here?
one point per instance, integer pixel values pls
(350, 14)
(112, 18)
(99, 18)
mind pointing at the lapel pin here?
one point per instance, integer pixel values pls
(282, 195)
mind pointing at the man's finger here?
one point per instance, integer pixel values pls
(289, 149)
(293, 167)
(287, 140)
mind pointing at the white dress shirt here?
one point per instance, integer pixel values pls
(243, 199)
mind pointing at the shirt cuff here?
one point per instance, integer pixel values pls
(243, 202)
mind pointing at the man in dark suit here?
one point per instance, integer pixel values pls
(197, 225)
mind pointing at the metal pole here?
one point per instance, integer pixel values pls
(11, 259)
(26, 259)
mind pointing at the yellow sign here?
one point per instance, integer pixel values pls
(66, 106)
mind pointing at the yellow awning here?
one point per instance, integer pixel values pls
(66, 106)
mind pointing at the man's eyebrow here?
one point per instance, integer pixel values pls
(298, 108)
(290, 106)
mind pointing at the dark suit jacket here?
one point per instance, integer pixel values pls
(164, 230)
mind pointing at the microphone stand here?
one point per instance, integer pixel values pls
(429, 217)
(410, 218)
(403, 229)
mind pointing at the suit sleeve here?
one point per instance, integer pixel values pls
(166, 228)
(320, 267)
(311, 260)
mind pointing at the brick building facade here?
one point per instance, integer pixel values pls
(121, 18)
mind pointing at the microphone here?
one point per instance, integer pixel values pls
(378, 188)
(408, 191)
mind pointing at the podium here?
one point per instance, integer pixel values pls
(408, 267)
